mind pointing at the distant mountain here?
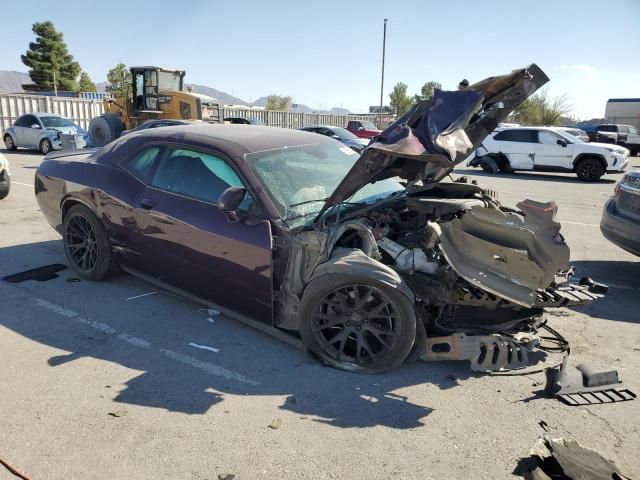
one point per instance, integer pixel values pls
(301, 108)
(11, 81)
(222, 97)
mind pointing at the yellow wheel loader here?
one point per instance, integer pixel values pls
(155, 93)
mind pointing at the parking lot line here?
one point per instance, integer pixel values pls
(580, 223)
(13, 182)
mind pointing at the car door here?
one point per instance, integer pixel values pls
(553, 150)
(518, 146)
(30, 134)
(20, 127)
(197, 247)
(633, 138)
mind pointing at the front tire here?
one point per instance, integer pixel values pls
(589, 170)
(105, 129)
(86, 244)
(357, 324)
(5, 185)
(9, 143)
(45, 146)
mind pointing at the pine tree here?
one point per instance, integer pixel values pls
(85, 84)
(119, 81)
(48, 57)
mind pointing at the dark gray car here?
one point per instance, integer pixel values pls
(341, 134)
(620, 222)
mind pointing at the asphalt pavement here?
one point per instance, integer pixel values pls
(102, 380)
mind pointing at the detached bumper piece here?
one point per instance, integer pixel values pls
(582, 385)
(572, 294)
(487, 353)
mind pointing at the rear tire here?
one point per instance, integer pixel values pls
(86, 244)
(9, 143)
(488, 165)
(104, 129)
(372, 324)
(5, 185)
(589, 169)
(45, 146)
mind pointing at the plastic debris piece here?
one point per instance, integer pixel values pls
(226, 476)
(204, 347)
(143, 295)
(276, 424)
(213, 312)
(118, 413)
(211, 320)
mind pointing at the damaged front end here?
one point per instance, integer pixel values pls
(478, 274)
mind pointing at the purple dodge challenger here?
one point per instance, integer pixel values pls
(298, 233)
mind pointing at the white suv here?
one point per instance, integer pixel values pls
(547, 149)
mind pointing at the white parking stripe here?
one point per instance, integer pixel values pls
(208, 367)
(579, 223)
(13, 182)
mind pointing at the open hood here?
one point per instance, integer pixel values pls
(435, 135)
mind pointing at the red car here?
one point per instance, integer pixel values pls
(363, 129)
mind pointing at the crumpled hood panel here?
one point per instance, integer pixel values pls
(435, 135)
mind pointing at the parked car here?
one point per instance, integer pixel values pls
(340, 134)
(363, 129)
(158, 124)
(291, 230)
(576, 132)
(620, 222)
(623, 135)
(41, 131)
(243, 121)
(5, 177)
(547, 149)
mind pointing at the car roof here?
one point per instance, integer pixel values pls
(320, 126)
(42, 114)
(522, 127)
(242, 139)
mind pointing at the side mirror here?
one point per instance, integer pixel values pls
(35, 125)
(337, 137)
(231, 199)
(562, 142)
(361, 129)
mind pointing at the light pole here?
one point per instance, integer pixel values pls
(384, 46)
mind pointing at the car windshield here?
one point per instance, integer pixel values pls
(369, 126)
(343, 133)
(54, 122)
(169, 81)
(299, 179)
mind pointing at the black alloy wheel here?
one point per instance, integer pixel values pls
(86, 244)
(359, 326)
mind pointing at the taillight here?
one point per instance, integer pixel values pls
(616, 190)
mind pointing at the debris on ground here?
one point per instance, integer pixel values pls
(562, 459)
(118, 413)
(40, 274)
(544, 425)
(204, 347)
(73, 280)
(13, 470)
(276, 424)
(143, 295)
(226, 476)
(583, 385)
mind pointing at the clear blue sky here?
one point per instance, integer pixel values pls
(328, 53)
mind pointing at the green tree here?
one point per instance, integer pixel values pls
(277, 102)
(85, 84)
(399, 101)
(427, 91)
(119, 79)
(48, 58)
(541, 109)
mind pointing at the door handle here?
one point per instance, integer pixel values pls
(147, 203)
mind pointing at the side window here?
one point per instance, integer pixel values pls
(141, 166)
(197, 175)
(526, 136)
(20, 121)
(623, 129)
(633, 130)
(547, 138)
(29, 120)
(607, 128)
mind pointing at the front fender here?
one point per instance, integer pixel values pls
(353, 261)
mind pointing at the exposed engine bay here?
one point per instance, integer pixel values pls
(479, 273)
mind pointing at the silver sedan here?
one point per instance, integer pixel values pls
(41, 131)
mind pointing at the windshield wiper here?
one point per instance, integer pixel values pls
(309, 201)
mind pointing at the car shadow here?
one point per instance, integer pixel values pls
(21, 151)
(539, 176)
(623, 278)
(90, 320)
